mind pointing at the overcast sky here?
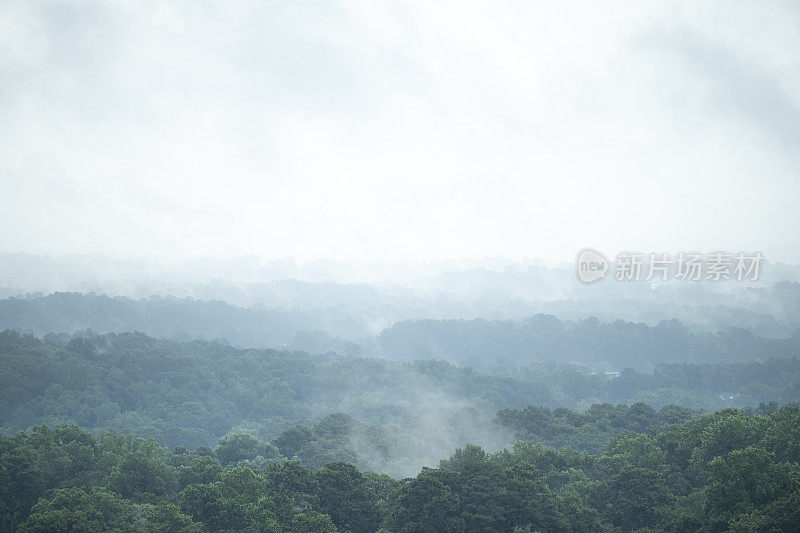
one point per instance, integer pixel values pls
(410, 130)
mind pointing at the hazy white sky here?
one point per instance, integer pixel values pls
(415, 130)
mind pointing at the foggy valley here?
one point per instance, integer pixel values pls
(399, 267)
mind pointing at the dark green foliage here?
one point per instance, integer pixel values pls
(69, 510)
(588, 431)
(237, 448)
(426, 504)
(292, 440)
(345, 496)
(727, 470)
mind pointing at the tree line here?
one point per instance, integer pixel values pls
(728, 470)
(482, 343)
(192, 393)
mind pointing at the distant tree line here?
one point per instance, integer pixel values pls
(481, 343)
(184, 319)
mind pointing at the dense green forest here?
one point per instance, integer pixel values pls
(724, 471)
(128, 432)
(190, 394)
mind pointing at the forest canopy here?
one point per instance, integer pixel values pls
(726, 470)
